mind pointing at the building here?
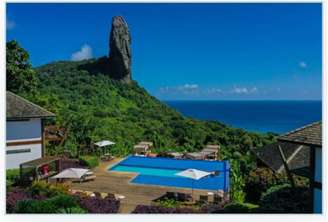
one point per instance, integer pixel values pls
(297, 158)
(311, 136)
(24, 128)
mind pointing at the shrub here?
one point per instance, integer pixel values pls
(57, 204)
(285, 199)
(144, 209)
(42, 188)
(99, 205)
(12, 177)
(240, 208)
(63, 201)
(168, 203)
(39, 188)
(35, 206)
(73, 210)
(237, 183)
(89, 161)
(274, 189)
(259, 180)
(15, 195)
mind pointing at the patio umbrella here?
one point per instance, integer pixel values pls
(104, 143)
(71, 173)
(194, 175)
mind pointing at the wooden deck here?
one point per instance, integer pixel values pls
(118, 183)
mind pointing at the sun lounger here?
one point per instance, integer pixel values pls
(182, 197)
(172, 195)
(106, 157)
(217, 199)
(206, 154)
(194, 156)
(111, 196)
(87, 178)
(176, 155)
(203, 199)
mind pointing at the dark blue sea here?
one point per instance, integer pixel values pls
(257, 116)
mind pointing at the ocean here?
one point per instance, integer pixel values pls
(257, 116)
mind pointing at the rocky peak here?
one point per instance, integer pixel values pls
(120, 50)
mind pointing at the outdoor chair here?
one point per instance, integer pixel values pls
(217, 199)
(106, 157)
(111, 196)
(203, 199)
(183, 197)
(172, 195)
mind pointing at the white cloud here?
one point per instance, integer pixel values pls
(253, 90)
(214, 90)
(84, 53)
(244, 90)
(10, 24)
(240, 90)
(164, 89)
(302, 65)
(188, 87)
(195, 89)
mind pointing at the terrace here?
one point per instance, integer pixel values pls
(130, 194)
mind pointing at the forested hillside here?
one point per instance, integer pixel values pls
(94, 107)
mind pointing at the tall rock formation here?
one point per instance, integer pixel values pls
(120, 50)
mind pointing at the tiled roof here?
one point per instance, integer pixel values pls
(18, 107)
(308, 135)
(297, 156)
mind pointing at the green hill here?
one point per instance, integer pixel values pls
(93, 107)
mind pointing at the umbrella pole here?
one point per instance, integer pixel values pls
(192, 190)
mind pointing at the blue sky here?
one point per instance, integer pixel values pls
(188, 51)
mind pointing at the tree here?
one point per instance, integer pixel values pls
(237, 183)
(20, 75)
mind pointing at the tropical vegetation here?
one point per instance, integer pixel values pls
(43, 197)
(91, 107)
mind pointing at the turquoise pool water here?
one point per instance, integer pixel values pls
(147, 171)
(161, 172)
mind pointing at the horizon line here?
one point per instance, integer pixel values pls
(240, 100)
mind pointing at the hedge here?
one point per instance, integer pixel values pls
(89, 161)
(285, 199)
(58, 204)
(12, 177)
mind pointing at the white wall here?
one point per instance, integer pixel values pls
(20, 130)
(14, 160)
(318, 165)
(317, 201)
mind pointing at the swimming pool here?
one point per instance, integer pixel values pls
(162, 172)
(147, 171)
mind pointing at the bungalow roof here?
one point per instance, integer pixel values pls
(20, 108)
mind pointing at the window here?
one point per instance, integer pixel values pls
(18, 151)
